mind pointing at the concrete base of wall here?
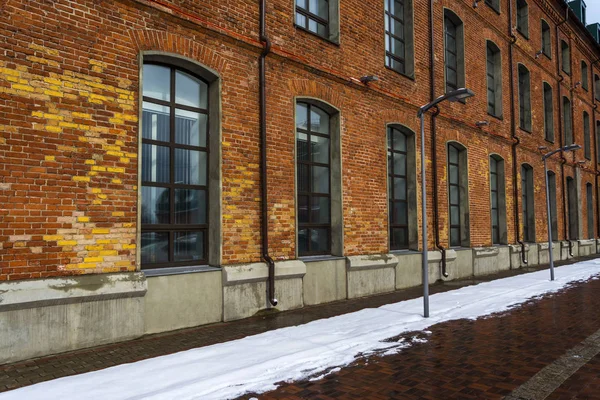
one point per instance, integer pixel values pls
(325, 281)
(47, 316)
(181, 301)
(408, 269)
(490, 260)
(371, 274)
(245, 288)
(586, 247)
(543, 254)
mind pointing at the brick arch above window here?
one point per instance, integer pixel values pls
(306, 88)
(149, 40)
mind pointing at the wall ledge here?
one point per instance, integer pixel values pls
(479, 252)
(373, 261)
(18, 295)
(258, 272)
(586, 242)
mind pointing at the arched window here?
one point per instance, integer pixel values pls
(546, 40)
(572, 209)
(402, 196)
(458, 195)
(528, 203)
(566, 57)
(498, 200)
(399, 43)
(584, 75)
(567, 123)
(454, 51)
(318, 179)
(548, 113)
(553, 208)
(494, 80)
(587, 141)
(597, 87)
(175, 160)
(523, 18)
(590, 210)
(524, 99)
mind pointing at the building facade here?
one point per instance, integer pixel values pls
(133, 195)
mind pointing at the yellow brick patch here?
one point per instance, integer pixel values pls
(116, 181)
(83, 219)
(52, 128)
(81, 178)
(67, 242)
(128, 246)
(118, 214)
(92, 259)
(116, 169)
(50, 158)
(52, 238)
(100, 231)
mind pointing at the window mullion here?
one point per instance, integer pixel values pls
(172, 169)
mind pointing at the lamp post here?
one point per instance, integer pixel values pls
(455, 95)
(571, 147)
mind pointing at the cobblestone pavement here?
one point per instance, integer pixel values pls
(487, 358)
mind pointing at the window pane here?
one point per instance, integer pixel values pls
(155, 205)
(399, 141)
(190, 206)
(155, 122)
(400, 213)
(454, 194)
(155, 163)
(319, 240)
(319, 149)
(190, 91)
(303, 210)
(190, 167)
(188, 246)
(301, 3)
(155, 247)
(319, 120)
(301, 116)
(302, 146)
(190, 128)
(455, 237)
(321, 30)
(312, 25)
(494, 200)
(319, 7)
(300, 20)
(399, 164)
(454, 215)
(319, 210)
(303, 178)
(453, 174)
(493, 165)
(399, 238)
(157, 82)
(302, 241)
(400, 188)
(494, 181)
(320, 179)
(494, 217)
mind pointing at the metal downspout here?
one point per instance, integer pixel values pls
(434, 142)
(263, 152)
(596, 159)
(516, 140)
(563, 160)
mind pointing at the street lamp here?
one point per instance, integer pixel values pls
(571, 147)
(455, 95)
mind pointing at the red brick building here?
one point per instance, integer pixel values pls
(131, 185)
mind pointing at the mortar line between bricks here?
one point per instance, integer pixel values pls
(551, 377)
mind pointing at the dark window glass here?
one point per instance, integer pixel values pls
(454, 194)
(523, 18)
(584, 76)
(587, 142)
(494, 194)
(398, 189)
(597, 87)
(495, 4)
(313, 15)
(598, 141)
(313, 180)
(396, 32)
(494, 80)
(451, 55)
(174, 167)
(546, 39)
(566, 57)
(548, 113)
(528, 204)
(553, 207)
(572, 209)
(590, 210)
(524, 99)
(567, 123)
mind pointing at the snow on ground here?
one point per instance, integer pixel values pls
(257, 363)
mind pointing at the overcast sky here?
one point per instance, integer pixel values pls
(593, 11)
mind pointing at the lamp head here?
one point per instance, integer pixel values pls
(369, 78)
(460, 94)
(571, 147)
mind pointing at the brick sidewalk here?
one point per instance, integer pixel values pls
(46, 368)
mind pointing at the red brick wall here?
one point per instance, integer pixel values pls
(69, 122)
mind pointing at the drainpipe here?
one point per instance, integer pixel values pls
(596, 159)
(263, 152)
(563, 160)
(513, 123)
(434, 141)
